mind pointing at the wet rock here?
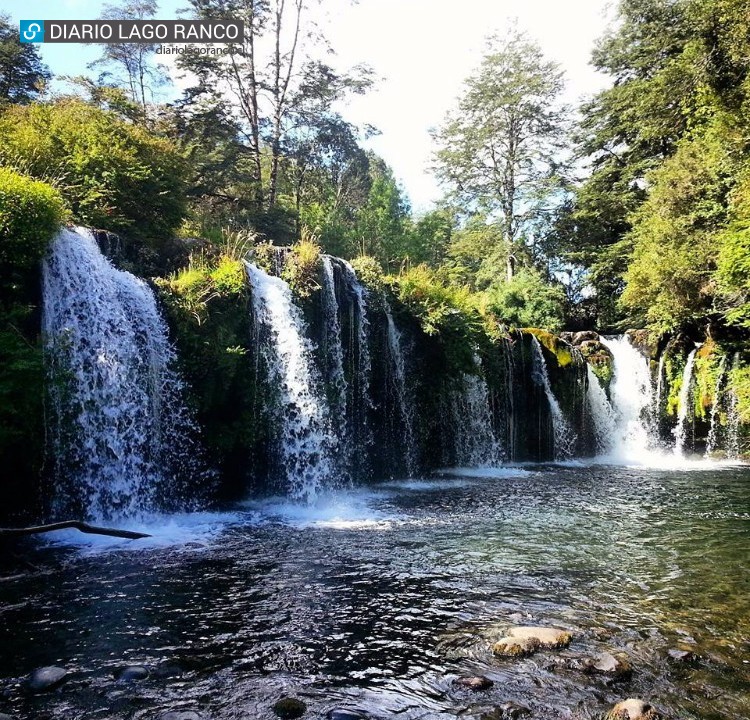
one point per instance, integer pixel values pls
(515, 647)
(549, 638)
(289, 708)
(632, 709)
(132, 672)
(615, 666)
(684, 656)
(584, 336)
(508, 711)
(181, 715)
(474, 683)
(46, 678)
(343, 714)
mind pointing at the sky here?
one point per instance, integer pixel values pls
(420, 50)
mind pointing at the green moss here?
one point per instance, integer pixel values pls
(739, 383)
(561, 350)
(302, 268)
(707, 370)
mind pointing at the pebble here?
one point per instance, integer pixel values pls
(632, 709)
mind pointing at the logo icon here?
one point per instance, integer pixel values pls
(32, 31)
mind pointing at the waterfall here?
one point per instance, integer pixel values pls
(361, 404)
(632, 396)
(471, 423)
(564, 436)
(733, 417)
(510, 399)
(305, 438)
(405, 402)
(120, 432)
(601, 413)
(712, 440)
(683, 407)
(659, 388)
(333, 350)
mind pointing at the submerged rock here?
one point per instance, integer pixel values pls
(46, 678)
(615, 666)
(480, 682)
(343, 714)
(507, 711)
(132, 672)
(632, 709)
(289, 708)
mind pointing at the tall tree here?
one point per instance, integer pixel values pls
(501, 150)
(22, 74)
(132, 65)
(279, 92)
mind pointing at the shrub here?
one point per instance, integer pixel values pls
(302, 266)
(114, 175)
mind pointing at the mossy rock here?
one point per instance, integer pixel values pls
(601, 360)
(645, 341)
(558, 347)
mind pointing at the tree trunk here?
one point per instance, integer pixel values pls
(75, 524)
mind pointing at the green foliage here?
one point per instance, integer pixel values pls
(114, 175)
(707, 369)
(370, 273)
(739, 382)
(527, 301)
(554, 344)
(22, 74)
(30, 213)
(302, 267)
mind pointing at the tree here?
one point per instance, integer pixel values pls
(501, 151)
(22, 74)
(135, 61)
(279, 93)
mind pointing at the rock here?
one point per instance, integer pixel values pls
(289, 708)
(681, 655)
(548, 637)
(583, 336)
(343, 714)
(132, 672)
(180, 715)
(474, 683)
(508, 711)
(632, 709)
(616, 666)
(567, 336)
(515, 647)
(46, 678)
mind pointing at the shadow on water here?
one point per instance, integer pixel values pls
(378, 599)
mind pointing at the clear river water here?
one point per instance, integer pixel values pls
(377, 599)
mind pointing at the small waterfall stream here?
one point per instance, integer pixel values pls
(564, 436)
(683, 409)
(733, 418)
(305, 437)
(120, 431)
(333, 349)
(405, 402)
(712, 441)
(602, 414)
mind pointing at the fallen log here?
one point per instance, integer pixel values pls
(75, 524)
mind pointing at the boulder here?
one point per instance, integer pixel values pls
(515, 647)
(474, 683)
(584, 336)
(289, 708)
(507, 711)
(46, 678)
(615, 666)
(132, 672)
(679, 655)
(632, 709)
(547, 637)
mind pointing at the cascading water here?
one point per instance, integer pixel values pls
(121, 435)
(564, 436)
(733, 417)
(405, 402)
(602, 414)
(360, 405)
(712, 441)
(510, 396)
(659, 387)
(306, 441)
(632, 398)
(683, 408)
(473, 436)
(333, 350)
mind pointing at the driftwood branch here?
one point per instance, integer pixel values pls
(77, 525)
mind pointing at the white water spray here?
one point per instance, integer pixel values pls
(119, 426)
(712, 440)
(305, 437)
(602, 414)
(564, 436)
